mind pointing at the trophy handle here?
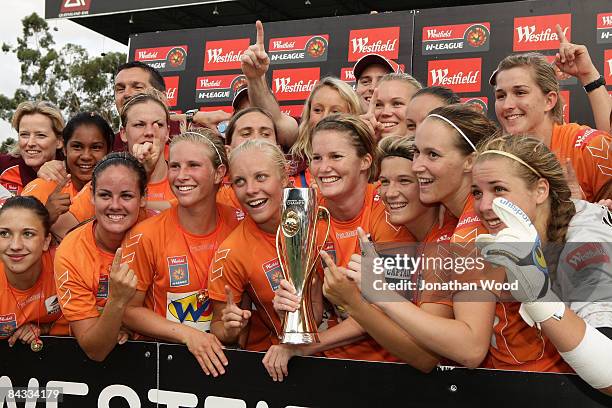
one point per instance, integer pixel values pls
(322, 213)
(278, 252)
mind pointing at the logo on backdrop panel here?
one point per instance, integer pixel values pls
(538, 32)
(294, 84)
(480, 103)
(172, 84)
(604, 28)
(608, 66)
(293, 50)
(294, 111)
(163, 59)
(220, 88)
(460, 75)
(73, 8)
(224, 54)
(455, 39)
(383, 41)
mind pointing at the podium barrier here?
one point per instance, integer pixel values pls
(146, 374)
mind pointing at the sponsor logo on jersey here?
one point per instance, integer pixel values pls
(273, 272)
(102, 287)
(8, 324)
(186, 309)
(163, 59)
(220, 88)
(454, 39)
(480, 103)
(73, 8)
(590, 253)
(383, 41)
(293, 50)
(178, 270)
(225, 54)
(460, 75)
(294, 84)
(538, 32)
(172, 86)
(328, 247)
(584, 137)
(52, 304)
(604, 28)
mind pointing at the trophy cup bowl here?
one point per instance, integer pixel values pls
(297, 244)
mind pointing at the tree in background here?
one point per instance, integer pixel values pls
(7, 145)
(69, 78)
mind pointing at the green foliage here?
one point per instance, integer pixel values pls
(69, 77)
(7, 144)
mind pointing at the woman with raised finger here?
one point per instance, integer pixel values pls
(171, 253)
(28, 301)
(93, 285)
(578, 242)
(528, 101)
(39, 127)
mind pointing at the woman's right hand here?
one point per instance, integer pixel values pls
(122, 281)
(285, 298)
(208, 351)
(53, 170)
(277, 358)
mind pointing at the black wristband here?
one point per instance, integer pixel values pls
(591, 86)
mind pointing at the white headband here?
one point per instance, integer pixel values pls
(435, 115)
(209, 141)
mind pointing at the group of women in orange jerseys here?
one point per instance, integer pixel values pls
(179, 245)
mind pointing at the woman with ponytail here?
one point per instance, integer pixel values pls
(521, 176)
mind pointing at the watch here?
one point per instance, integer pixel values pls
(591, 86)
(189, 115)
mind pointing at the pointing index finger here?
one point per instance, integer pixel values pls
(60, 186)
(260, 33)
(229, 295)
(117, 259)
(373, 101)
(561, 34)
(366, 245)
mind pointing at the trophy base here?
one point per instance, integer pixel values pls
(299, 338)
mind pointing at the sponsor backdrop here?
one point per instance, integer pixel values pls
(202, 66)
(139, 374)
(458, 47)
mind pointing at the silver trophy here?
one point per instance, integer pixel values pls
(297, 246)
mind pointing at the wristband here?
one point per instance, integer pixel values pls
(591, 86)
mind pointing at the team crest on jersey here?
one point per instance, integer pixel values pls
(52, 304)
(273, 272)
(185, 308)
(102, 287)
(8, 324)
(178, 269)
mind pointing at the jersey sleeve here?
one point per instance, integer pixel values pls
(226, 269)
(82, 206)
(594, 165)
(39, 188)
(76, 295)
(382, 230)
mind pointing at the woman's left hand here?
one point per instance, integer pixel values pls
(338, 288)
(26, 333)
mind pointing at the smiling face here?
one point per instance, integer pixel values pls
(253, 125)
(146, 121)
(37, 141)
(393, 99)
(498, 177)
(399, 189)
(258, 185)
(86, 147)
(367, 82)
(336, 166)
(326, 101)
(191, 173)
(439, 164)
(22, 242)
(418, 109)
(520, 105)
(130, 82)
(117, 200)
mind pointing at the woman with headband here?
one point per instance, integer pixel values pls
(342, 153)
(28, 301)
(171, 253)
(527, 101)
(521, 195)
(145, 128)
(93, 285)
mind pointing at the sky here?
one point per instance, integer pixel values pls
(13, 12)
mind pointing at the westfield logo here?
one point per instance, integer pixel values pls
(606, 20)
(461, 75)
(284, 85)
(283, 45)
(206, 83)
(441, 77)
(362, 45)
(528, 34)
(433, 33)
(144, 55)
(216, 55)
